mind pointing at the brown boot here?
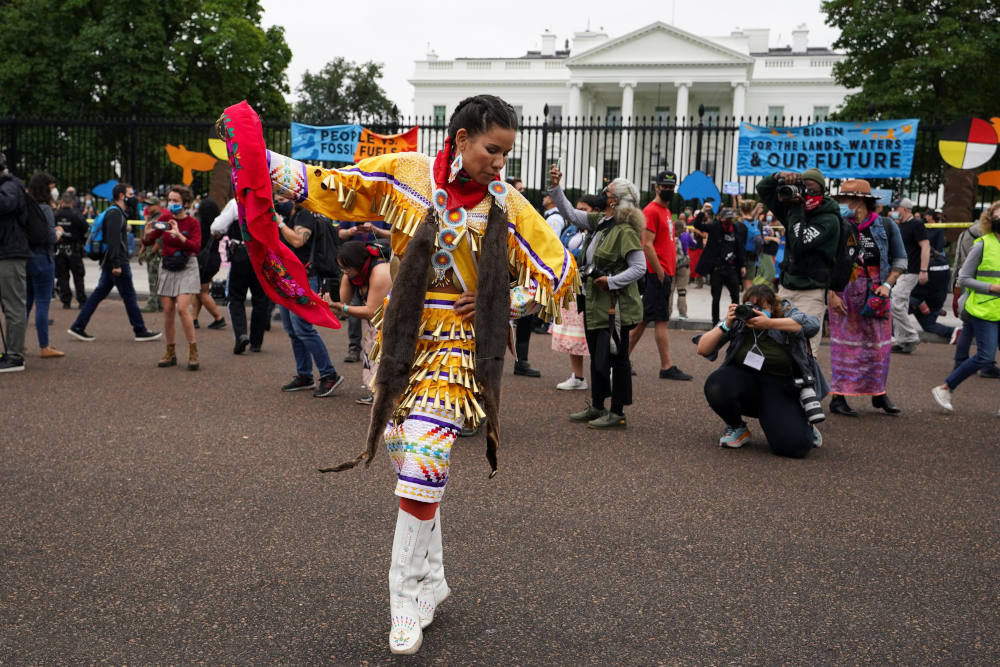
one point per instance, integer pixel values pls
(192, 356)
(170, 358)
(50, 352)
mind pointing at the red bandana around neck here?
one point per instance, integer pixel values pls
(366, 269)
(463, 191)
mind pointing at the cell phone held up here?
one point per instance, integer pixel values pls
(161, 226)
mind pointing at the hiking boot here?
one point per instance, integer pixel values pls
(49, 352)
(674, 373)
(170, 357)
(839, 406)
(610, 420)
(241, 344)
(193, 361)
(79, 333)
(735, 437)
(146, 336)
(11, 363)
(882, 402)
(525, 369)
(327, 384)
(588, 414)
(218, 324)
(299, 383)
(353, 356)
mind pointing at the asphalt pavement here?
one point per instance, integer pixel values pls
(161, 516)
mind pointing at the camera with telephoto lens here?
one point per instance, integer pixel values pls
(744, 312)
(809, 400)
(789, 190)
(593, 272)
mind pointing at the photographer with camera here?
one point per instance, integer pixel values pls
(724, 257)
(613, 261)
(812, 232)
(767, 373)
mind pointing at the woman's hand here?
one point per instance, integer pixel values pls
(730, 320)
(837, 304)
(555, 176)
(466, 305)
(601, 282)
(760, 321)
(175, 231)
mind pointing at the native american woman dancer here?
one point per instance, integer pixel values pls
(463, 238)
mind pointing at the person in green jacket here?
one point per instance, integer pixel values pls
(612, 263)
(812, 224)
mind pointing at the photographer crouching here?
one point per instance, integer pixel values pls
(768, 373)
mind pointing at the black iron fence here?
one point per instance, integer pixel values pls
(590, 151)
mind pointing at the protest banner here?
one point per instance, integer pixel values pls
(347, 143)
(879, 149)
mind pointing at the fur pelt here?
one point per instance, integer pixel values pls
(632, 216)
(400, 330)
(492, 315)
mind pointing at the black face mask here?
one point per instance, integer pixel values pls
(284, 209)
(665, 194)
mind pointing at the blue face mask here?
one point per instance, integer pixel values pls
(765, 312)
(845, 212)
(175, 208)
(894, 215)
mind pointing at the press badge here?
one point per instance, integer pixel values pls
(754, 359)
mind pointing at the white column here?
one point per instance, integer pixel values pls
(628, 110)
(739, 110)
(680, 116)
(571, 167)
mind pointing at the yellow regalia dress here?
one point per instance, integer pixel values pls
(442, 394)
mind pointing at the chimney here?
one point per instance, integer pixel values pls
(757, 39)
(432, 54)
(587, 40)
(800, 38)
(548, 44)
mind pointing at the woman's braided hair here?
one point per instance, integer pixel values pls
(477, 114)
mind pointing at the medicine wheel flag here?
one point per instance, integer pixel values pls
(968, 143)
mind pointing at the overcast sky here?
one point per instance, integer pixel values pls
(398, 32)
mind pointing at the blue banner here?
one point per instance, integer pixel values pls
(880, 149)
(333, 143)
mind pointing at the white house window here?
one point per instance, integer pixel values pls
(513, 169)
(519, 112)
(439, 113)
(820, 113)
(775, 114)
(661, 116)
(614, 116)
(555, 114)
(712, 115)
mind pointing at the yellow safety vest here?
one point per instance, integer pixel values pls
(986, 306)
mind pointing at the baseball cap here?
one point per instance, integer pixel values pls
(904, 202)
(666, 178)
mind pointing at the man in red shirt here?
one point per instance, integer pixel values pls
(661, 263)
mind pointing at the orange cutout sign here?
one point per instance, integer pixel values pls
(371, 144)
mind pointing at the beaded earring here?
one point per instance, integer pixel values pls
(456, 166)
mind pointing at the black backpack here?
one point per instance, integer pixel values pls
(846, 256)
(36, 225)
(323, 253)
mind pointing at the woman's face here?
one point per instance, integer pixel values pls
(174, 198)
(584, 206)
(485, 155)
(349, 271)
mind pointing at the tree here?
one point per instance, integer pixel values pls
(342, 92)
(168, 59)
(917, 58)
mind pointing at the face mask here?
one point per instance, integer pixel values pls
(812, 201)
(131, 201)
(89, 202)
(845, 211)
(665, 195)
(175, 208)
(769, 218)
(765, 312)
(894, 215)
(284, 209)
(55, 194)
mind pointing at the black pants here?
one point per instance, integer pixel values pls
(610, 374)
(522, 336)
(242, 278)
(65, 265)
(737, 391)
(354, 325)
(728, 276)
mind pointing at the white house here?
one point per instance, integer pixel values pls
(656, 76)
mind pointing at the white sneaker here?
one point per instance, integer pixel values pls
(572, 384)
(943, 397)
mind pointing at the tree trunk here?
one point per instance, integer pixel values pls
(220, 187)
(959, 197)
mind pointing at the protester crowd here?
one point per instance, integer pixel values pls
(779, 267)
